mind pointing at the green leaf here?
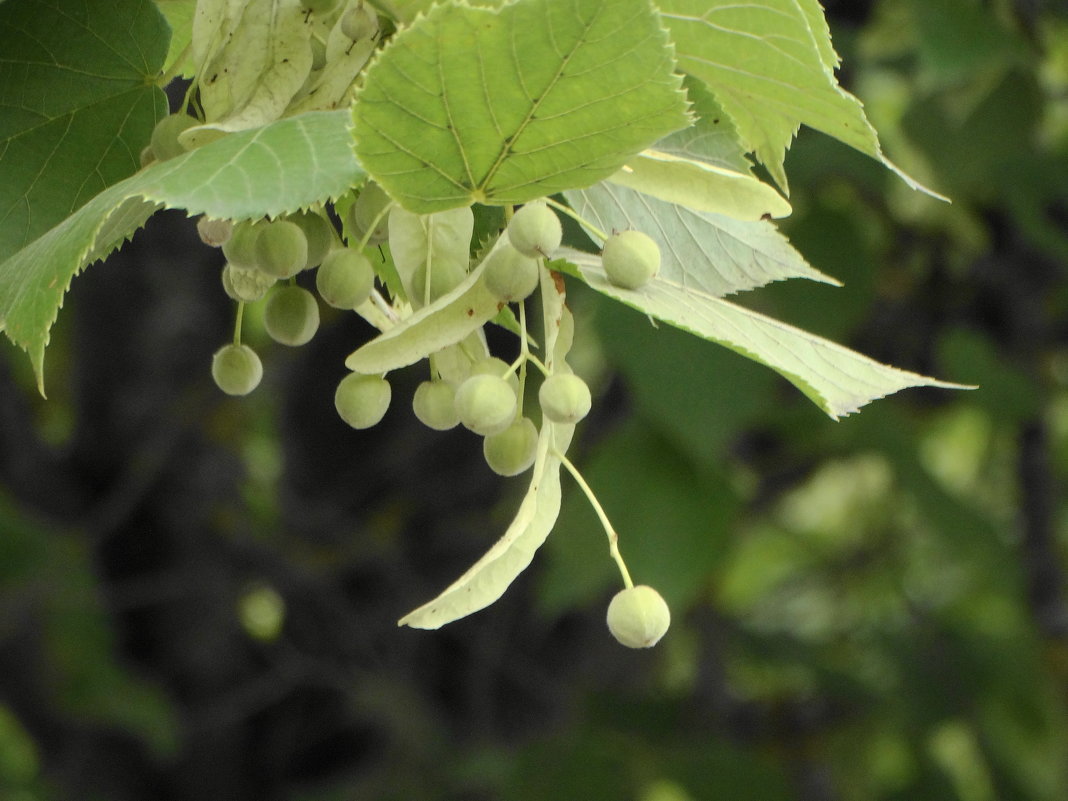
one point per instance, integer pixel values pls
(835, 378)
(274, 170)
(491, 575)
(77, 105)
(706, 252)
(712, 138)
(179, 14)
(771, 65)
(506, 105)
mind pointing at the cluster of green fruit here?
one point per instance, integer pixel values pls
(481, 393)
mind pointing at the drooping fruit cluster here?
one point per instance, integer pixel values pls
(428, 281)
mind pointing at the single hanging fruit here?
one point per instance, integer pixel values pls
(630, 259)
(510, 275)
(485, 404)
(345, 278)
(512, 451)
(281, 249)
(434, 404)
(564, 398)
(236, 369)
(535, 230)
(291, 315)
(362, 400)
(638, 617)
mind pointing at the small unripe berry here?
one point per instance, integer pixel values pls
(281, 249)
(630, 259)
(485, 404)
(360, 22)
(434, 404)
(291, 315)
(345, 279)
(244, 284)
(164, 140)
(240, 248)
(535, 230)
(237, 369)
(638, 617)
(362, 400)
(491, 365)
(212, 232)
(318, 232)
(510, 275)
(512, 451)
(564, 398)
(367, 206)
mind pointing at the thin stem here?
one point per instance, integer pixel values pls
(373, 227)
(574, 215)
(613, 538)
(237, 322)
(524, 354)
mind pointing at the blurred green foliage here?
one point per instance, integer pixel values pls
(871, 610)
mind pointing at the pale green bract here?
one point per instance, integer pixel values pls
(491, 575)
(446, 321)
(835, 378)
(701, 186)
(437, 242)
(280, 168)
(511, 104)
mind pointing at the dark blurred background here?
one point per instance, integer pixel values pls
(198, 594)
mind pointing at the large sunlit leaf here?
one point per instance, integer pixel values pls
(771, 65)
(77, 105)
(279, 168)
(835, 378)
(506, 105)
(710, 253)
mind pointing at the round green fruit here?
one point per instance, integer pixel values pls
(362, 400)
(318, 232)
(444, 278)
(512, 451)
(164, 141)
(244, 284)
(491, 365)
(564, 398)
(434, 404)
(638, 617)
(535, 230)
(630, 259)
(291, 315)
(212, 232)
(485, 404)
(240, 248)
(359, 22)
(281, 249)
(510, 275)
(345, 278)
(237, 369)
(366, 208)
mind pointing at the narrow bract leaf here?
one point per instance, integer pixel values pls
(770, 64)
(707, 252)
(438, 242)
(835, 378)
(507, 105)
(280, 168)
(333, 85)
(251, 75)
(444, 322)
(491, 575)
(701, 186)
